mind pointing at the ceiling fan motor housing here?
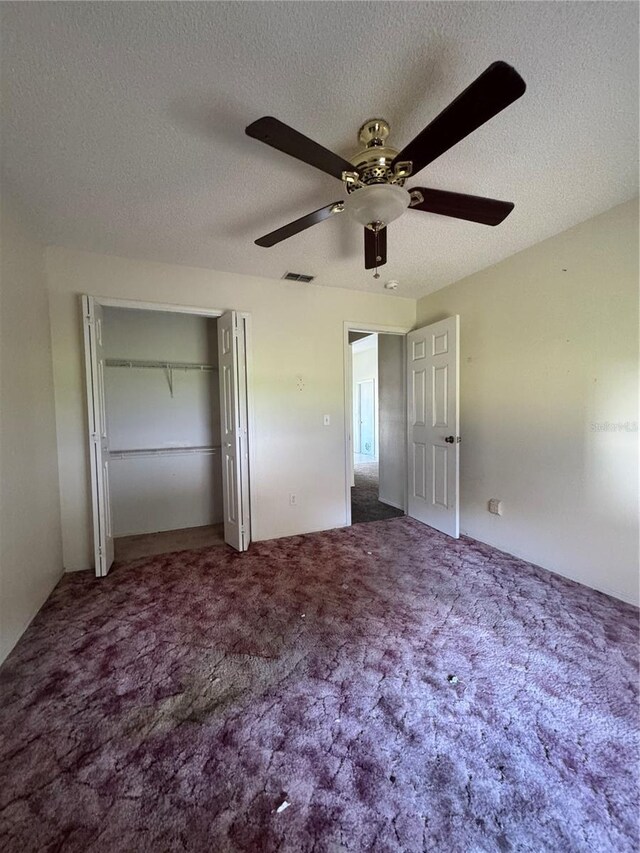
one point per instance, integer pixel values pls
(373, 164)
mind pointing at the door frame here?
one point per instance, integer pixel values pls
(213, 313)
(381, 329)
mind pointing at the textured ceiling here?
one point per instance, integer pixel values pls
(123, 126)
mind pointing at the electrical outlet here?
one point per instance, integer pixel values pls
(495, 506)
(292, 499)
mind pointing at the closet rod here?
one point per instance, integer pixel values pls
(163, 365)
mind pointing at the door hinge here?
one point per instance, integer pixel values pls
(94, 437)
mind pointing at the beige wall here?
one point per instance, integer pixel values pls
(549, 351)
(30, 544)
(297, 331)
(392, 417)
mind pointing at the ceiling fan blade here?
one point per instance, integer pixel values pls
(475, 208)
(375, 248)
(278, 135)
(298, 225)
(496, 88)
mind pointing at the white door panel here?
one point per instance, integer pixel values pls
(98, 439)
(235, 449)
(433, 425)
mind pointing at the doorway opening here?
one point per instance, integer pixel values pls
(378, 426)
(168, 424)
(418, 422)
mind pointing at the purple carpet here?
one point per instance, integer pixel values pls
(401, 690)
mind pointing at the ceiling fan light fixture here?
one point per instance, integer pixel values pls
(381, 203)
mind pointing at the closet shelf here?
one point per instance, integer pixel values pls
(168, 366)
(162, 451)
(159, 365)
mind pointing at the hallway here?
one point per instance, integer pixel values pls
(365, 505)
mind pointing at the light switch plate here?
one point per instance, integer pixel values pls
(327, 420)
(495, 506)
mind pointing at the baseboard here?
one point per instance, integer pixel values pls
(391, 503)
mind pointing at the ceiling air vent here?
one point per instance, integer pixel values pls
(298, 276)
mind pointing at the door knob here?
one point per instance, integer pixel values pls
(450, 439)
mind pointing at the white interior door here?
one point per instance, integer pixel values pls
(433, 419)
(234, 431)
(98, 441)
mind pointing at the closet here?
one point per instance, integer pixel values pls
(168, 423)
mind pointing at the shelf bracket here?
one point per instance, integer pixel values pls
(170, 379)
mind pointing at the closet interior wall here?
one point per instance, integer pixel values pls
(163, 420)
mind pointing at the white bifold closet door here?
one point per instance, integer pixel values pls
(98, 441)
(433, 406)
(232, 336)
(234, 430)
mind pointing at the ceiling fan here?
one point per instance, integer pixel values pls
(374, 178)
